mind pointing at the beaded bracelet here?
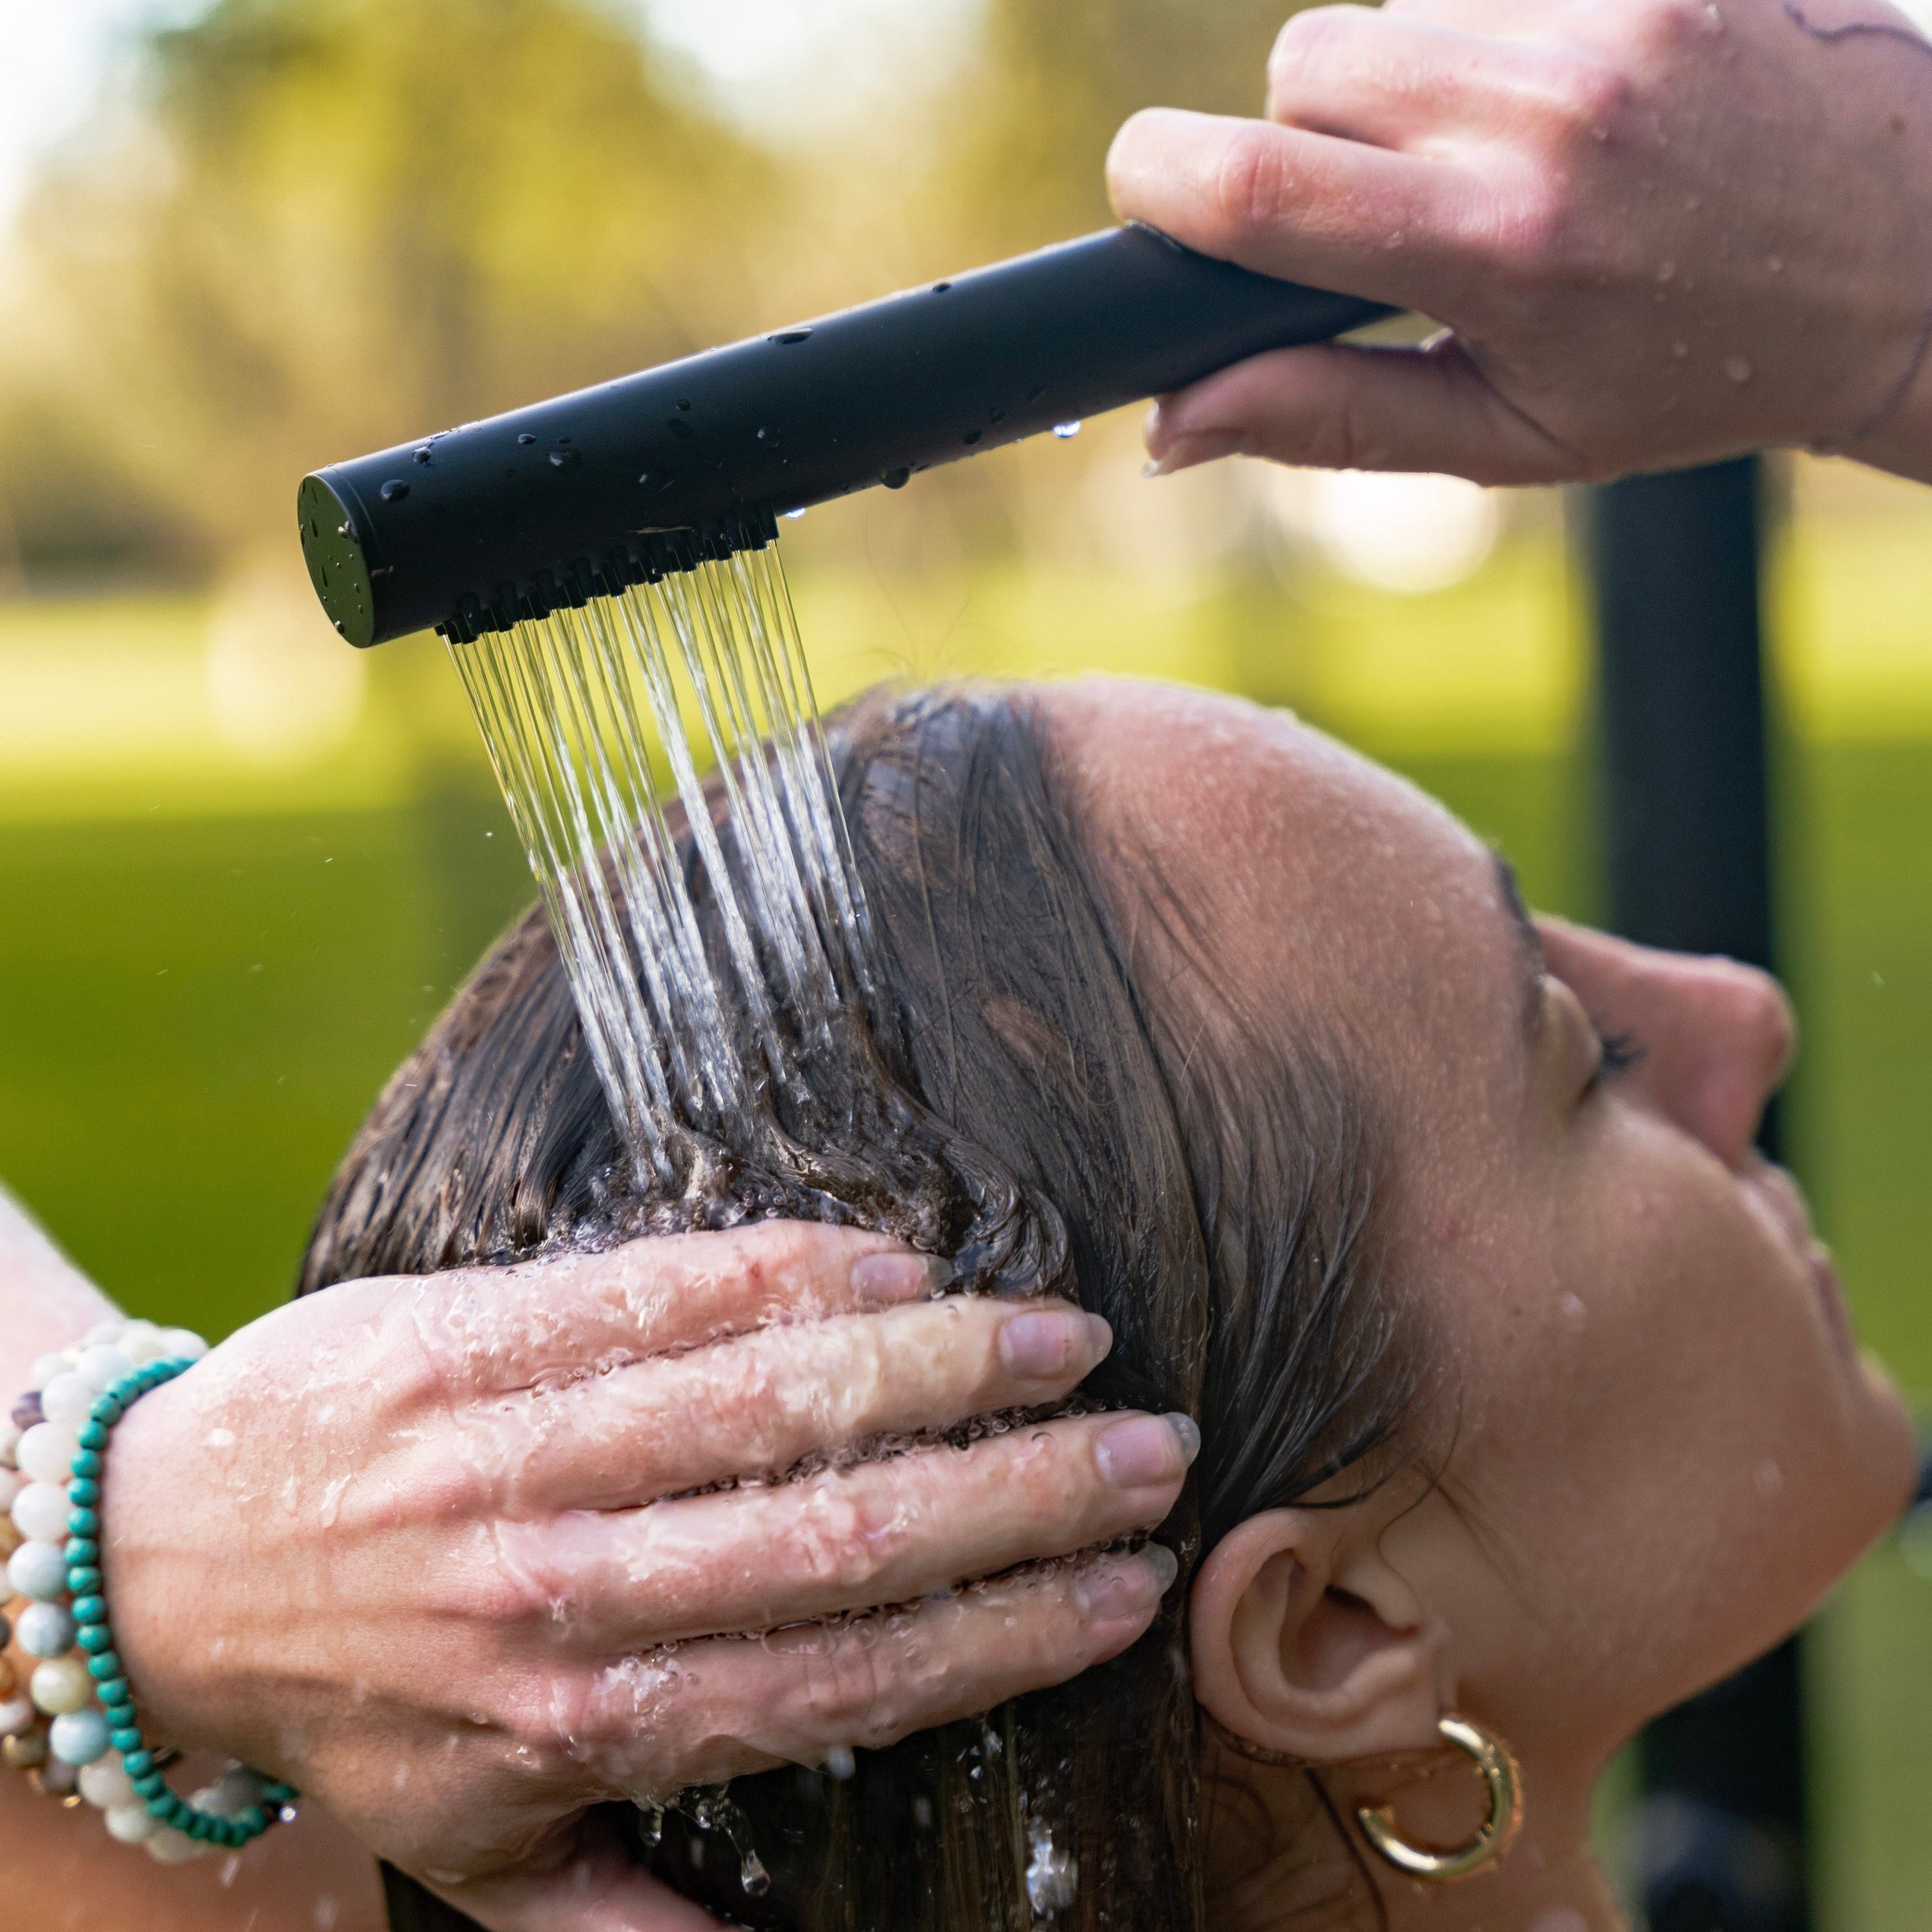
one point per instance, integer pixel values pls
(58, 1733)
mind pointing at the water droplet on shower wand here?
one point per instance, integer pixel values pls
(1066, 431)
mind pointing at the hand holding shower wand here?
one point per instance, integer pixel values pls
(601, 566)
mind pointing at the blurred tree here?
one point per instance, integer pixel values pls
(1059, 75)
(313, 227)
(323, 226)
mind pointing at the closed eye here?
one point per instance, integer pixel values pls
(1617, 1053)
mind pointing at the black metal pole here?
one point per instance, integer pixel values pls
(1675, 564)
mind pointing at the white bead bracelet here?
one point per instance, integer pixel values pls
(54, 1727)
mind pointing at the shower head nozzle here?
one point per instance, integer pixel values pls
(469, 530)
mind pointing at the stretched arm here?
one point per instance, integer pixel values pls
(1657, 232)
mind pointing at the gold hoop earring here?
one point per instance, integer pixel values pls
(1502, 1777)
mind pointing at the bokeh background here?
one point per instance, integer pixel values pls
(240, 866)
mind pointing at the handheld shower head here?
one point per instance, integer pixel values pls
(550, 505)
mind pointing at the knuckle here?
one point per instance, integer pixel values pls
(434, 1345)
(1252, 186)
(505, 1597)
(1354, 444)
(1304, 38)
(1593, 100)
(1658, 30)
(1347, 435)
(1532, 233)
(515, 1586)
(848, 1542)
(1541, 240)
(846, 1693)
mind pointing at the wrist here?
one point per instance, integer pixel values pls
(154, 1575)
(82, 1734)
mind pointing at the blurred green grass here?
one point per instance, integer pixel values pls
(213, 956)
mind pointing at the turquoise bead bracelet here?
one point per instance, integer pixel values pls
(94, 1639)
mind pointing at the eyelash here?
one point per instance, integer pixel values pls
(1619, 1052)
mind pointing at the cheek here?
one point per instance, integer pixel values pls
(1684, 1452)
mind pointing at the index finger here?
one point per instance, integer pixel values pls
(1310, 208)
(512, 1327)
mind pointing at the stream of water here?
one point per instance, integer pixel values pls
(581, 711)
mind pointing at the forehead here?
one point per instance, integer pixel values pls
(1313, 881)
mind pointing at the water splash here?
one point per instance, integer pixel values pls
(579, 711)
(1052, 1875)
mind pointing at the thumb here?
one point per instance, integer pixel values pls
(1353, 406)
(598, 1888)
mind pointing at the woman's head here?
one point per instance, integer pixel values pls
(1518, 1391)
(1646, 1444)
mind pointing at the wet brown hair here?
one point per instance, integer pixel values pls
(1068, 1108)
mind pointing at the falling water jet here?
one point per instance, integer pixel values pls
(577, 710)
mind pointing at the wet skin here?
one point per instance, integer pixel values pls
(422, 1545)
(1648, 1445)
(1659, 232)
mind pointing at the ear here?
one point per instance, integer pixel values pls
(1306, 1642)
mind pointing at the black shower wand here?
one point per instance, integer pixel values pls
(470, 529)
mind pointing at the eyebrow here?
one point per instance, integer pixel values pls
(1529, 943)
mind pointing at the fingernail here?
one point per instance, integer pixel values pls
(1126, 1586)
(879, 1281)
(1148, 1449)
(1044, 1344)
(1164, 1565)
(1186, 452)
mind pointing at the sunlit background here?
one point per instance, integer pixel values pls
(242, 865)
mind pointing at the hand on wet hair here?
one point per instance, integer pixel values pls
(463, 1554)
